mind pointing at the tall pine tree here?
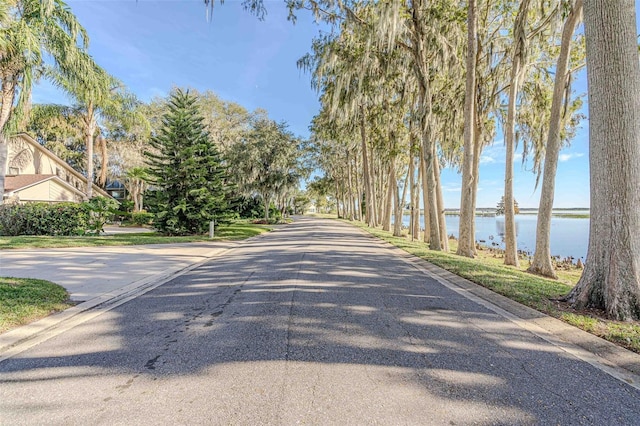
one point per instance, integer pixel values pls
(186, 171)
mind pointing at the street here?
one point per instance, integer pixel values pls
(315, 323)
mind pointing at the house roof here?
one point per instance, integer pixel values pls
(18, 182)
(21, 182)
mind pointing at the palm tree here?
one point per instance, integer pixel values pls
(97, 95)
(29, 30)
(135, 180)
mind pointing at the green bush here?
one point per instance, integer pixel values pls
(44, 219)
(55, 219)
(141, 218)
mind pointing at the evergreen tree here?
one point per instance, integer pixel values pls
(500, 207)
(186, 171)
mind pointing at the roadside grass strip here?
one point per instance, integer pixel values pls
(24, 300)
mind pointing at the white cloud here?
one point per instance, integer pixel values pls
(451, 188)
(566, 157)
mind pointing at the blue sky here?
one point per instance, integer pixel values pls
(154, 45)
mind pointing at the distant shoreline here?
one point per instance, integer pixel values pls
(568, 213)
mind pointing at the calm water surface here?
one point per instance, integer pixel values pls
(569, 236)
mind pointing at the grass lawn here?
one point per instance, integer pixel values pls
(488, 270)
(234, 231)
(23, 300)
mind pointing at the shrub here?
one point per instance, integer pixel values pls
(121, 216)
(100, 211)
(43, 219)
(55, 219)
(141, 218)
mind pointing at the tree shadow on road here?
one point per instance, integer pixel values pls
(319, 304)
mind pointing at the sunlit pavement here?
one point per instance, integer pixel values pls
(89, 272)
(313, 324)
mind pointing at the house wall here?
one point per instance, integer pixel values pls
(44, 165)
(49, 191)
(27, 157)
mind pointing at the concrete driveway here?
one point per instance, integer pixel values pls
(90, 272)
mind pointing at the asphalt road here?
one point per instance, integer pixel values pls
(315, 323)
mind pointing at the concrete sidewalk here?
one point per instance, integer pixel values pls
(90, 272)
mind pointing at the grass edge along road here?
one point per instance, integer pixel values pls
(25, 300)
(536, 292)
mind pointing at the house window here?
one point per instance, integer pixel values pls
(14, 170)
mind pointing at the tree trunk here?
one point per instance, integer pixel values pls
(266, 200)
(431, 203)
(611, 278)
(4, 157)
(519, 40)
(376, 178)
(511, 248)
(444, 238)
(429, 182)
(397, 225)
(541, 264)
(412, 184)
(466, 236)
(133, 192)
(388, 207)
(341, 188)
(350, 188)
(477, 151)
(416, 203)
(369, 204)
(90, 129)
(8, 93)
(358, 191)
(104, 157)
(426, 236)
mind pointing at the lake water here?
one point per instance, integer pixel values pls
(569, 236)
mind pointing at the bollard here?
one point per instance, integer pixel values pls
(212, 229)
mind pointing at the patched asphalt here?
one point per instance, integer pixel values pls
(313, 324)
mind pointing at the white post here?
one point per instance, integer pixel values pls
(211, 229)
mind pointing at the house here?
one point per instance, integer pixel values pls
(117, 190)
(36, 174)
